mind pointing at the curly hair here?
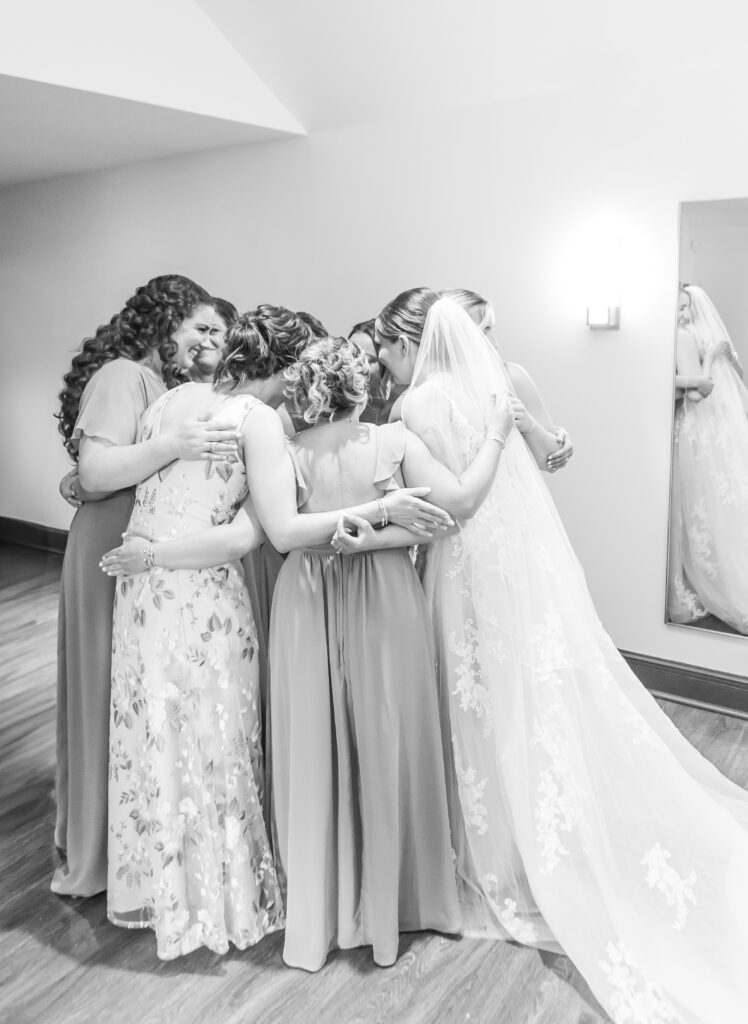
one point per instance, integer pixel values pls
(330, 377)
(148, 320)
(260, 343)
(316, 327)
(406, 314)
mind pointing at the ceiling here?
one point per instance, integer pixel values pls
(343, 62)
(331, 63)
(48, 130)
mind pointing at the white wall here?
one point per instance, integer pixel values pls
(500, 198)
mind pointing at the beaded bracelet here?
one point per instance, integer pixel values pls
(149, 557)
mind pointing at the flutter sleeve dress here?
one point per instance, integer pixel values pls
(111, 406)
(358, 770)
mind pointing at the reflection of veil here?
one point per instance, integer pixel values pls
(709, 330)
(707, 323)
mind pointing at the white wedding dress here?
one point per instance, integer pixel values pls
(708, 566)
(591, 826)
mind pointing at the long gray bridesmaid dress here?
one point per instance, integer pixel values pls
(111, 406)
(358, 768)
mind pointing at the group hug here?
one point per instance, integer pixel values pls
(328, 663)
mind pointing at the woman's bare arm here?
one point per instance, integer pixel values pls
(105, 466)
(534, 423)
(203, 550)
(272, 484)
(463, 495)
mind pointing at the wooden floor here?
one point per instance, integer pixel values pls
(61, 962)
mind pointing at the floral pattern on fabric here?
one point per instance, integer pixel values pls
(634, 999)
(472, 791)
(708, 565)
(188, 850)
(472, 693)
(662, 876)
(559, 805)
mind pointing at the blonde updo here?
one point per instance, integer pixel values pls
(329, 379)
(479, 309)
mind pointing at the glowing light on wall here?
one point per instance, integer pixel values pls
(604, 285)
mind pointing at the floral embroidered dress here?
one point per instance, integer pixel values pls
(708, 567)
(188, 850)
(593, 827)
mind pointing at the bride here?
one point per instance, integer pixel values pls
(593, 827)
(708, 568)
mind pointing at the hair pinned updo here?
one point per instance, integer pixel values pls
(253, 350)
(330, 379)
(406, 315)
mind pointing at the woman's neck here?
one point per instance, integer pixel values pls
(268, 390)
(152, 361)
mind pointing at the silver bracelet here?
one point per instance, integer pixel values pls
(149, 557)
(383, 517)
(496, 435)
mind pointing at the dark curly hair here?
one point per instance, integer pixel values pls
(148, 320)
(406, 314)
(260, 343)
(316, 327)
(288, 327)
(331, 376)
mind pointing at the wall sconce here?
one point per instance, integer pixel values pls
(604, 302)
(603, 318)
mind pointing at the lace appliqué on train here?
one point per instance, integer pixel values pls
(662, 877)
(635, 1000)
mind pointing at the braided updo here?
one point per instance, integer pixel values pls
(330, 378)
(148, 320)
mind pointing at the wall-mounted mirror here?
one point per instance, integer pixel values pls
(707, 583)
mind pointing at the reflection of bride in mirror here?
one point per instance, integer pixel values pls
(708, 570)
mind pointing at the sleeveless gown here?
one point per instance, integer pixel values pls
(359, 800)
(708, 566)
(593, 828)
(188, 850)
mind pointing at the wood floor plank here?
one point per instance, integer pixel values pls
(61, 962)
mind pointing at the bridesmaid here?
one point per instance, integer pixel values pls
(208, 355)
(118, 372)
(359, 796)
(383, 391)
(291, 332)
(253, 365)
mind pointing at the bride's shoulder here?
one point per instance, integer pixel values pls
(426, 398)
